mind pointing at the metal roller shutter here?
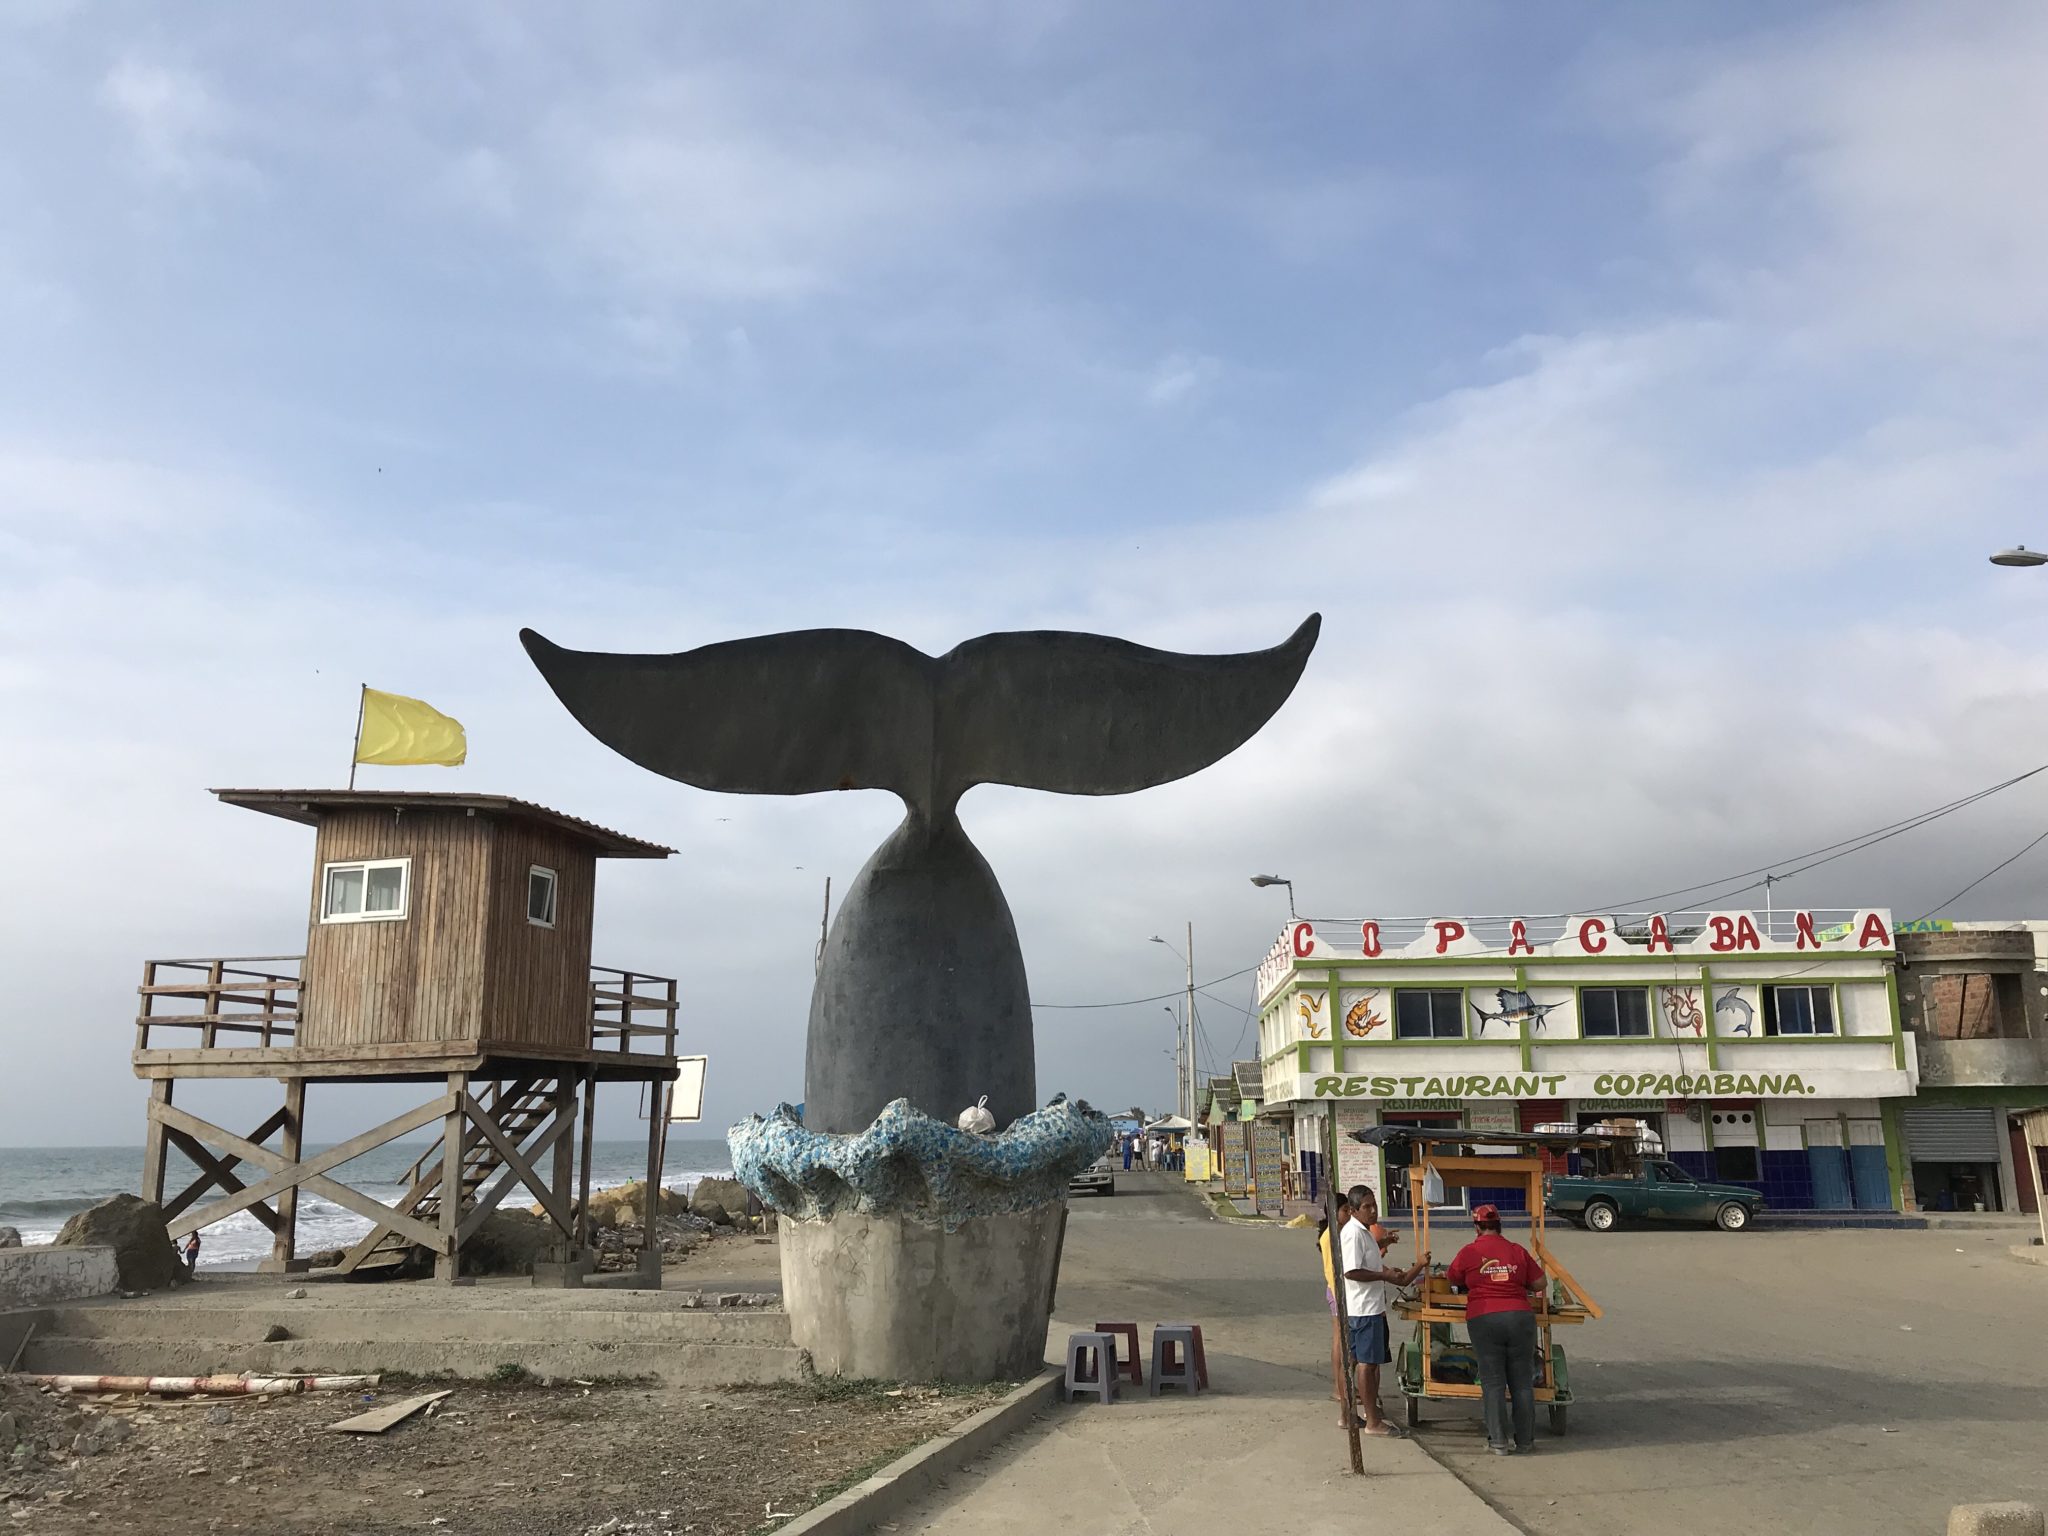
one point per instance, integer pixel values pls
(1952, 1135)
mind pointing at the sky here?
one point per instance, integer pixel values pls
(1636, 391)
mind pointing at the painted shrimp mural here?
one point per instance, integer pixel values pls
(1361, 1018)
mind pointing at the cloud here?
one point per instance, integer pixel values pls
(174, 121)
(1180, 376)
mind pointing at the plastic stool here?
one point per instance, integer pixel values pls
(1166, 1371)
(1127, 1363)
(1102, 1382)
(1201, 1359)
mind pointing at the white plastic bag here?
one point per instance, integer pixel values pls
(976, 1118)
(1432, 1188)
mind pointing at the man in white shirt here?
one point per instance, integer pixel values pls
(1366, 1289)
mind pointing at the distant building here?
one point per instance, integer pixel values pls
(1762, 1050)
(1974, 999)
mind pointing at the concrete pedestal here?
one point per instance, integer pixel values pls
(888, 1298)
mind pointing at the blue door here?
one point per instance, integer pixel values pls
(1870, 1179)
(1829, 1167)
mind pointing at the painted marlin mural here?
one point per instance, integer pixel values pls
(1516, 1008)
(1740, 1014)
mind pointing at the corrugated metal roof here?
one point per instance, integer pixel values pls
(307, 805)
(1251, 1078)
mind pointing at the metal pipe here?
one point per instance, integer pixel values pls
(187, 1386)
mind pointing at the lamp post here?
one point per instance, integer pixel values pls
(1185, 1108)
(1262, 881)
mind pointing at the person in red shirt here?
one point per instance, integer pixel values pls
(1497, 1277)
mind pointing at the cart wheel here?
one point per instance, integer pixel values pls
(1557, 1418)
(1414, 1412)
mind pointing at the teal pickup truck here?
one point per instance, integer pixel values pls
(1657, 1191)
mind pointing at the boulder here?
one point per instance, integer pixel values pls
(9, 1237)
(627, 1205)
(508, 1243)
(721, 1201)
(144, 1259)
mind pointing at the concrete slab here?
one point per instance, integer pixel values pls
(34, 1277)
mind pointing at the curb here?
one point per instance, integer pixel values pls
(912, 1475)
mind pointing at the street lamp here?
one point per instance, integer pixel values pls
(2019, 554)
(1186, 1032)
(1262, 881)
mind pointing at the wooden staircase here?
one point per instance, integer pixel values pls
(520, 1108)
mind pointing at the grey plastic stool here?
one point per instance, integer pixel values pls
(1102, 1384)
(1165, 1372)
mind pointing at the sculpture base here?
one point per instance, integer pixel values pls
(892, 1299)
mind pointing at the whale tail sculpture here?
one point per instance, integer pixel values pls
(922, 993)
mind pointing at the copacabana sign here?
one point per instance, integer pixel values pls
(1654, 936)
(1836, 1083)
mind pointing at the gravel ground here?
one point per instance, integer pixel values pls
(491, 1460)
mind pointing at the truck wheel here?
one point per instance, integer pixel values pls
(1602, 1217)
(1733, 1216)
(1557, 1418)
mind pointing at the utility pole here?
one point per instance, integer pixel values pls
(1187, 1106)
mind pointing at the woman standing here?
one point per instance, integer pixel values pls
(1497, 1277)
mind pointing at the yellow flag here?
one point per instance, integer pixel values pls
(397, 731)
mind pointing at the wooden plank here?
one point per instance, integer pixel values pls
(565, 1158)
(153, 1144)
(298, 1055)
(213, 1173)
(583, 1167)
(293, 1145)
(522, 1168)
(448, 1262)
(309, 1174)
(377, 1420)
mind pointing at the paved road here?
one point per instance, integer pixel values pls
(1803, 1381)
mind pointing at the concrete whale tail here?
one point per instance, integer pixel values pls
(819, 709)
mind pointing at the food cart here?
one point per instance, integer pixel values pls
(1438, 1361)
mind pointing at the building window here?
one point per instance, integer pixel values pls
(365, 891)
(540, 897)
(1799, 1011)
(1737, 1163)
(1434, 1013)
(1614, 1012)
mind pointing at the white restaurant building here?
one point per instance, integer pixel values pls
(1759, 1049)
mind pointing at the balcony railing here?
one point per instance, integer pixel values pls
(254, 1001)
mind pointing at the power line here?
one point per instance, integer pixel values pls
(1160, 997)
(1994, 869)
(1847, 846)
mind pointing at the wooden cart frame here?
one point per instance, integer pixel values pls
(1436, 1309)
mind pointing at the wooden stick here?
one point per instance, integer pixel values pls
(19, 1349)
(355, 745)
(1337, 1290)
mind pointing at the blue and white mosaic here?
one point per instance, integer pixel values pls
(908, 1164)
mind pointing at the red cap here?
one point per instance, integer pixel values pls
(1483, 1213)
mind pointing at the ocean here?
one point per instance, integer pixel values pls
(42, 1186)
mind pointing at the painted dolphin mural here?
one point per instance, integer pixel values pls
(1740, 1014)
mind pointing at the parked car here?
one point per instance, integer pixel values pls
(1098, 1177)
(1658, 1191)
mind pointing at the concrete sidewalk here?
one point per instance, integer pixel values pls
(1262, 1452)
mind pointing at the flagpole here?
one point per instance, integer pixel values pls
(356, 743)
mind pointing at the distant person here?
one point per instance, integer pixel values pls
(1366, 1279)
(1330, 1295)
(191, 1254)
(1129, 1142)
(1497, 1276)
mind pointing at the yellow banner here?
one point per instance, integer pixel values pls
(397, 731)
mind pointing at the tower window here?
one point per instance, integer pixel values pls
(365, 891)
(540, 897)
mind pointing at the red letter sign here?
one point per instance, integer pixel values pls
(1873, 933)
(1724, 934)
(1803, 921)
(1746, 936)
(1660, 935)
(1592, 936)
(1518, 938)
(1369, 940)
(1448, 934)
(1304, 941)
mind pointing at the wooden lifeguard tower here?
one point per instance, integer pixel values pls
(449, 943)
